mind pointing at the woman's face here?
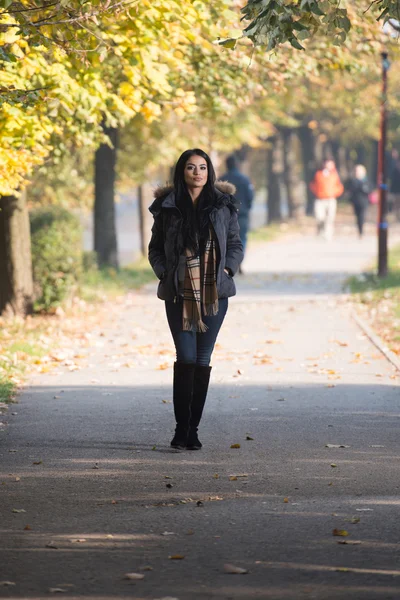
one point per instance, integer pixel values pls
(196, 172)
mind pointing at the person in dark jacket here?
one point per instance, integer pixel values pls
(244, 195)
(195, 251)
(358, 189)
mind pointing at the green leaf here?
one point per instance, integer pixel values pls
(296, 44)
(228, 43)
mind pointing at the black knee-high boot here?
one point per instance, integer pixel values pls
(182, 396)
(200, 389)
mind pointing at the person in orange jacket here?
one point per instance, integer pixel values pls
(327, 187)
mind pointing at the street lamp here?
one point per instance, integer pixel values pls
(382, 185)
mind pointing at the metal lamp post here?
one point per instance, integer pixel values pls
(382, 185)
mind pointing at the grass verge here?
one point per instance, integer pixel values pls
(98, 284)
(268, 233)
(379, 300)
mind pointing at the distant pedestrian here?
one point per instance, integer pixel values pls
(327, 187)
(244, 195)
(358, 188)
(395, 184)
(195, 251)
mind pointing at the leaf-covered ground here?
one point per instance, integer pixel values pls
(379, 300)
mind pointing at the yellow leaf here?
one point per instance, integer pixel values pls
(340, 532)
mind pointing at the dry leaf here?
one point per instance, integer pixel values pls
(37, 462)
(176, 557)
(349, 542)
(340, 532)
(333, 465)
(134, 576)
(52, 545)
(163, 366)
(7, 583)
(57, 590)
(249, 438)
(168, 533)
(27, 528)
(336, 446)
(286, 500)
(233, 570)
(235, 445)
(18, 510)
(216, 476)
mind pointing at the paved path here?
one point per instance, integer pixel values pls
(292, 374)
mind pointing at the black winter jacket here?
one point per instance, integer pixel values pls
(164, 244)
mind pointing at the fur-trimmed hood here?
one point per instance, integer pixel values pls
(164, 196)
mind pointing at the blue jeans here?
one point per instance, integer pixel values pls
(191, 346)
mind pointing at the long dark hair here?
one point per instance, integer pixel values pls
(195, 219)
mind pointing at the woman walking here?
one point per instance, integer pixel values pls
(358, 188)
(195, 250)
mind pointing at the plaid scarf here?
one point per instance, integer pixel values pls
(200, 287)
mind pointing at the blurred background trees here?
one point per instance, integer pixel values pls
(99, 98)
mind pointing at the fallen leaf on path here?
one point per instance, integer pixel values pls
(17, 479)
(355, 520)
(168, 533)
(233, 570)
(134, 576)
(233, 478)
(216, 476)
(176, 557)
(364, 509)
(167, 401)
(249, 438)
(286, 500)
(57, 590)
(7, 583)
(343, 344)
(235, 445)
(333, 465)
(349, 542)
(147, 568)
(27, 528)
(52, 545)
(336, 446)
(37, 462)
(18, 510)
(163, 366)
(340, 532)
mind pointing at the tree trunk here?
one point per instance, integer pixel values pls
(307, 141)
(16, 284)
(273, 183)
(289, 175)
(145, 198)
(105, 235)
